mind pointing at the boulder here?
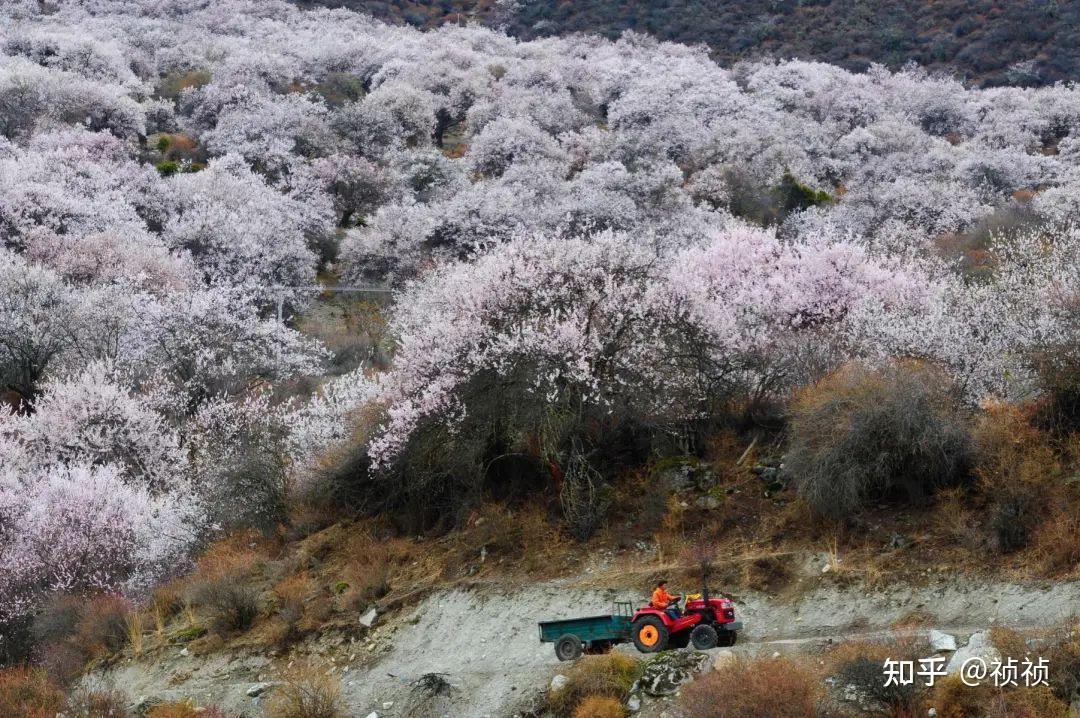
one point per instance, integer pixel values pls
(941, 641)
(978, 646)
(558, 682)
(663, 674)
(724, 658)
(257, 689)
(368, 619)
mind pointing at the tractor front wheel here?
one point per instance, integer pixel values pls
(568, 647)
(650, 634)
(703, 637)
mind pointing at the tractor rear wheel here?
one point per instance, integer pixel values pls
(568, 647)
(650, 634)
(703, 637)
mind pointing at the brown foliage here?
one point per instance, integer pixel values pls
(606, 676)
(306, 693)
(600, 707)
(761, 688)
(28, 693)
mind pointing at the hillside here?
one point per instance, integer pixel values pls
(1035, 42)
(335, 354)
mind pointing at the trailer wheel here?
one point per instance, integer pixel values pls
(650, 634)
(727, 638)
(568, 647)
(703, 637)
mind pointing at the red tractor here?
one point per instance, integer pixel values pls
(706, 623)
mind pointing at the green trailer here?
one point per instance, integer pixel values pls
(592, 634)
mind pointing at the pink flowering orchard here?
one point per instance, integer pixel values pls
(617, 228)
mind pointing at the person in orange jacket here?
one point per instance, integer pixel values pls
(664, 601)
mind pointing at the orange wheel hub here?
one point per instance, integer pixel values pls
(648, 635)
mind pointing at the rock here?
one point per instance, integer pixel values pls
(724, 658)
(978, 646)
(663, 675)
(372, 714)
(257, 689)
(185, 652)
(940, 641)
(368, 619)
(707, 502)
(633, 704)
(558, 682)
(899, 541)
(932, 713)
(387, 705)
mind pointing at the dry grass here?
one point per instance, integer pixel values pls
(28, 693)
(184, 709)
(600, 707)
(762, 688)
(306, 693)
(953, 699)
(1057, 543)
(97, 704)
(606, 676)
(103, 626)
(1037, 702)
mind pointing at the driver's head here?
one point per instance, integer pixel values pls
(662, 583)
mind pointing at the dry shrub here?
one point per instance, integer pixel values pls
(766, 573)
(1037, 702)
(760, 688)
(230, 604)
(1008, 642)
(220, 584)
(370, 567)
(1018, 471)
(1057, 542)
(522, 536)
(184, 709)
(859, 435)
(102, 703)
(600, 707)
(293, 593)
(28, 693)
(103, 625)
(606, 676)
(306, 693)
(1063, 655)
(953, 699)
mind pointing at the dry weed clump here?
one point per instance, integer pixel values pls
(1036, 702)
(99, 703)
(221, 586)
(954, 699)
(1019, 472)
(607, 676)
(28, 693)
(306, 693)
(760, 688)
(103, 625)
(1057, 543)
(600, 707)
(184, 709)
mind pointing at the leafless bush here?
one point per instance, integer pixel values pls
(306, 694)
(585, 496)
(861, 434)
(231, 604)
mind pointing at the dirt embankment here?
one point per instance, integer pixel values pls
(482, 642)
